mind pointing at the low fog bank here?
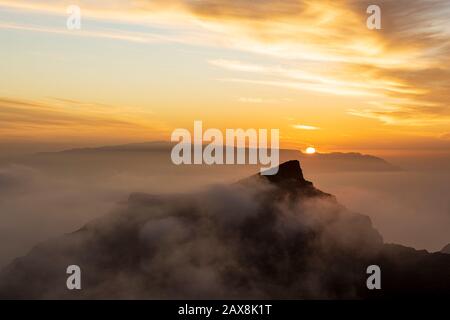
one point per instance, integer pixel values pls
(51, 194)
(34, 207)
(265, 237)
(37, 203)
(249, 240)
(408, 207)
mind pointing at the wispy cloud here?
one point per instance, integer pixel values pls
(256, 100)
(115, 35)
(406, 116)
(65, 118)
(305, 127)
(321, 46)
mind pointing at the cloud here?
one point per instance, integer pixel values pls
(115, 35)
(294, 78)
(256, 100)
(320, 46)
(65, 118)
(409, 115)
(35, 206)
(445, 136)
(406, 63)
(223, 242)
(305, 127)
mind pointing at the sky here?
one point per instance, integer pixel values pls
(137, 70)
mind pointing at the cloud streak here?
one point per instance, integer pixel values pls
(66, 118)
(305, 127)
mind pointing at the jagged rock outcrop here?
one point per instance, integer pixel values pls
(288, 180)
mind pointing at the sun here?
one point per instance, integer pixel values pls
(310, 150)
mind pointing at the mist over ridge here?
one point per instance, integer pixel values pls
(263, 237)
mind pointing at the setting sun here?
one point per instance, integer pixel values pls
(310, 150)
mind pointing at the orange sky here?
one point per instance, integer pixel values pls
(139, 69)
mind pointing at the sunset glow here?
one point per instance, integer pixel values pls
(138, 69)
(231, 150)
